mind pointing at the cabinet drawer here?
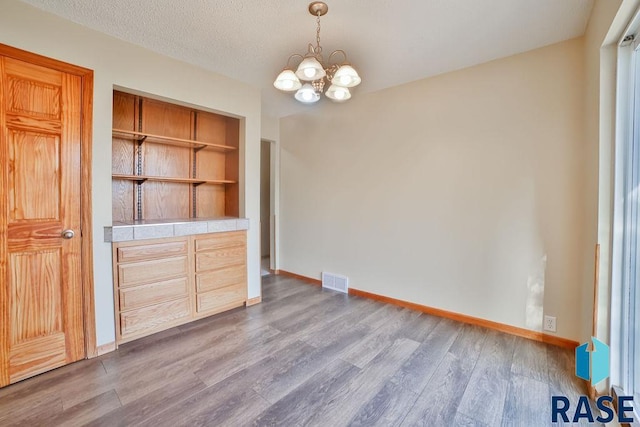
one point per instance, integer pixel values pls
(155, 250)
(220, 258)
(152, 271)
(153, 293)
(221, 240)
(221, 299)
(154, 317)
(220, 278)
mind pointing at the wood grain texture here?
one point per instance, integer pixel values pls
(219, 299)
(305, 279)
(123, 157)
(238, 368)
(34, 179)
(445, 387)
(220, 258)
(153, 293)
(42, 119)
(137, 136)
(232, 168)
(527, 402)
(220, 278)
(387, 408)
(412, 374)
(141, 272)
(153, 318)
(161, 200)
(220, 241)
(36, 355)
(529, 360)
(123, 196)
(106, 348)
(86, 227)
(311, 397)
(513, 330)
(208, 271)
(167, 179)
(212, 200)
(36, 302)
(5, 329)
(188, 161)
(133, 251)
(485, 394)
(253, 301)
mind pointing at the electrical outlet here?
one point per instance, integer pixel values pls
(549, 323)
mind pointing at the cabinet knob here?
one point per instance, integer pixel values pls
(68, 234)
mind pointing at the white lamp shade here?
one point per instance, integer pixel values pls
(307, 94)
(310, 69)
(338, 93)
(346, 76)
(287, 81)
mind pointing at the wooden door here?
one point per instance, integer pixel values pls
(41, 300)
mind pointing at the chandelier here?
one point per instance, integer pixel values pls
(315, 73)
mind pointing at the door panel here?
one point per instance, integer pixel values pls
(35, 294)
(40, 140)
(34, 177)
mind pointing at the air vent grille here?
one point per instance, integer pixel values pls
(335, 282)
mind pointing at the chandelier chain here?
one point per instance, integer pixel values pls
(318, 48)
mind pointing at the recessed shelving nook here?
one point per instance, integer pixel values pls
(172, 162)
(179, 246)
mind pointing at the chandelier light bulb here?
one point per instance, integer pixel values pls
(310, 69)
(346, 76)
(307, 94)
(287, 81)
(338, 93)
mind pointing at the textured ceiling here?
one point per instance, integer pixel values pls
(390, 42)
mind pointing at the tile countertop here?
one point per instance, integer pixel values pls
(157, 229)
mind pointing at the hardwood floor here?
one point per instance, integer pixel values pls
(305, 357)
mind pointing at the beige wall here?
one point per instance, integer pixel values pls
(450, 191)
(117, 63)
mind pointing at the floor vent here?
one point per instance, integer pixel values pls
(335, 282)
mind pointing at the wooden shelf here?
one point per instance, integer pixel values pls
(142, 137)
(196, 181)
(201, 157)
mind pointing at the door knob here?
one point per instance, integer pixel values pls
(68, 234)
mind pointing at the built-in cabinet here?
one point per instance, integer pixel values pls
(171, 161)
(175, 177)
(161, 283)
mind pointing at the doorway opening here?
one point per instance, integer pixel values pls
(267, 252)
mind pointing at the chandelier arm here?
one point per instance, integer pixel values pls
(344, 54)
(292, 56)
